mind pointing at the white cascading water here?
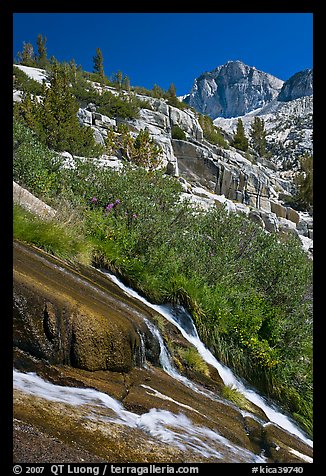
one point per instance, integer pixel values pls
(228, 377)
(167, 365)
(175, 429)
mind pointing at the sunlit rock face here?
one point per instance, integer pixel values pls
(299, 85)
(232, 90)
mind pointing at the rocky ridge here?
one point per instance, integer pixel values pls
(212, 175)
(289, 131)
(299, 85)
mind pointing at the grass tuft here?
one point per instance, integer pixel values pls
(194, 360)
(50, 235)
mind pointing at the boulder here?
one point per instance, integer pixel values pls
(242, 208)
(270, 220)
(171, 169)
(254, 216)
(154, 118)
(278, 209)
(23, 197)
(292, 215)
(84, 117)
(98, 137)
(103, 121)
(287, 225)
(283, 447)
(302, 228)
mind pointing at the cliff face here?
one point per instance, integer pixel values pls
(299, 85)
(233, 89)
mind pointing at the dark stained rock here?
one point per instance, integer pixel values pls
(75, 328)
(71, 320)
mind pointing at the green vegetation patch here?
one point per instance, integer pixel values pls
(194, 360)
(53, 237)
(236, 397)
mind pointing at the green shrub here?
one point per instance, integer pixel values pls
(211, 133)
(34, 165)
(141, 151)
(178, 133)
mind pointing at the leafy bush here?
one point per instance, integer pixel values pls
(141, 151)
(34, 165)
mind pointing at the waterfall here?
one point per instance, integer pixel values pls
(174, 429)
(167, 365)
(183, 321)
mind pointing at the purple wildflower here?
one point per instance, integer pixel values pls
(93, 200)
(117, 202)
(109, 207)
(135, 215)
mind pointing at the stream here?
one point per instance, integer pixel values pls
(183, 321)
(176, 429)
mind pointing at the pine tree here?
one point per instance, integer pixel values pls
(117, 79)
(27, 56)
(42, 60)
(172, 91)
(126, 83)
(172, 96)
(73, 70)
(98, 67)
(157, 91)
(258, 136)
(240, 140)
(54, 119)
(304, 183)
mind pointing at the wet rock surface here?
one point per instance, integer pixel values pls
(76, 329)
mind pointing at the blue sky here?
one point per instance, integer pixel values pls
(165, 48)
